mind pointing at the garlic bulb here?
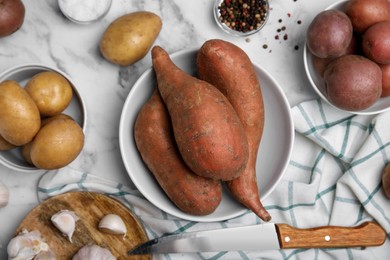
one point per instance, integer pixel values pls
(93, 252)
(26, 245)
(4, 195)
(112, 224)
(65, 221)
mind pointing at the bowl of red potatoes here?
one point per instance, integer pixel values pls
(347, 55)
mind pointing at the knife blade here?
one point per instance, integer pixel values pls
(264, 237)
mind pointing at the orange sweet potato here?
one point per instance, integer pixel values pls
(153, 134)
(210, 136)
(229, 68)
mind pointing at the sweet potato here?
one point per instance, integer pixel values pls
(229, 68)
(210, 137)
(154, 139)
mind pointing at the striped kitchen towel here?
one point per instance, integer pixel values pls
(333, 178)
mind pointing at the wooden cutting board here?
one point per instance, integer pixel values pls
(90, 207)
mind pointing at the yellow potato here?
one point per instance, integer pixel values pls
(26, 150)
(19, 115)
(4, 145)
(129, 38)
(47, 120)
(57, 144)
(51, 92)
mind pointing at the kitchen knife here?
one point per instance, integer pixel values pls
(264, 237)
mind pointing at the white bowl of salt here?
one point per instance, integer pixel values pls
(84, 11)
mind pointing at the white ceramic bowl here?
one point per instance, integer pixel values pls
(318, 85)
(13, 159)
(230, 31)
(84, 12)
(274, 153)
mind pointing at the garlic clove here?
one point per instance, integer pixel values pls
(112, 224)
(65, 221)
(26, 245)
(94, 252)
(4, 195)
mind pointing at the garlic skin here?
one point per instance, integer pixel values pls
(4, 195)
(65, 221)
(112, 224)
(26, 245)
(93, 252)
(45, 255)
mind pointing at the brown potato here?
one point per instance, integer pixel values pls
(19, 118)
(26, 149)
(47, 120)
(26, 152)
(364, 13)
(4, 145)
(57, 144)
(376, 42)
(51, 92)
(329, 34)
(129, 38)
(353, 82)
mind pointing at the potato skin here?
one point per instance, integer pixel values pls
(385, 80)
(4, 145)
(50, 91)
(47, 120)
(57, 144)
(26, 153)
(353, 82)
(154, 138)
(128, 38)
(207, 130)
(19, 115)
(228, 68)
(365, 13)
(329, 34)
(376, 42)
(386, 180)
(320, 64)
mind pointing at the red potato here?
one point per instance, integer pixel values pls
(376, 42)
(12, 14)
(353, 82)
(229, 68)
(321, 63)
(385, 80)
(329, 34)
(365, 13)
(386, 180)
(154, 138)
(210, 136)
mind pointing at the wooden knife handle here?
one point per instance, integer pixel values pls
(367, 234)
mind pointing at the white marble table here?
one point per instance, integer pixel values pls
(47, 37)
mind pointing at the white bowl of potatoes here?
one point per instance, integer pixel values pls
(39, 105)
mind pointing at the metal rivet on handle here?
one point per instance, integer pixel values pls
(287, 239)
(327, 238)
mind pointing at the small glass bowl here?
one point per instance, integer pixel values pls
(82, 12)
(231, 31)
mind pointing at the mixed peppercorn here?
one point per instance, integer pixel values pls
(243, 15)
